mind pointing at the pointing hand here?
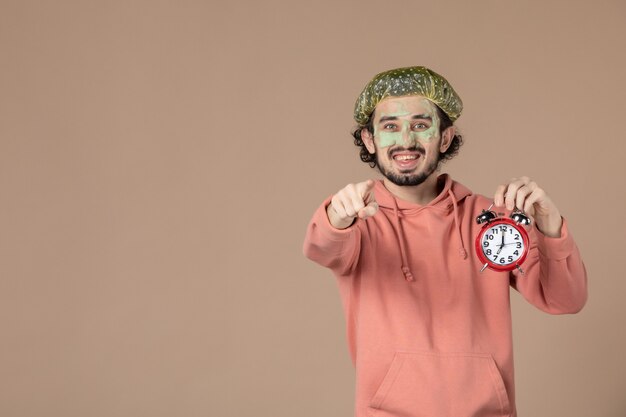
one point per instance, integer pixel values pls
(352, 201)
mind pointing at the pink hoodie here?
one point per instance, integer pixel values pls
(428, 334)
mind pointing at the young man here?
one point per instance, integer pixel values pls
(428, 333)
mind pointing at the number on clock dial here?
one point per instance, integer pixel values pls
(502, 244)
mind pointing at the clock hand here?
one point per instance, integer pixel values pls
(501, 246)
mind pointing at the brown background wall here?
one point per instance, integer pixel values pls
(159, 162)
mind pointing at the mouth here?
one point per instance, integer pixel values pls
(406, 160)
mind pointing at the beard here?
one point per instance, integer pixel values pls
(407, 178)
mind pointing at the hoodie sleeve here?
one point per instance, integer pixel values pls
(555, 278)
(337, 249)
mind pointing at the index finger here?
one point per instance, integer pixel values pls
(498, 198)
(365, 189)
(510, 187)
(367, 184)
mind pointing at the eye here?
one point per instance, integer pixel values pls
(389, 126)
(420, 126)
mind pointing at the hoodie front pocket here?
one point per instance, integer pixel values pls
(436, 384)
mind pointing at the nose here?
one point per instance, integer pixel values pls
(407, 138)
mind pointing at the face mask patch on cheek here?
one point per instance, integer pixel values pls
(426, 136)
(390, 138)
(395, 138)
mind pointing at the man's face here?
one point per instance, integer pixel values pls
(406, 139)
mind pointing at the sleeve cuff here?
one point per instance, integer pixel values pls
(556, 248)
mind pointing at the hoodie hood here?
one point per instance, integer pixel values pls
(451, 194)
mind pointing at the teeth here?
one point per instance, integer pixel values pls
(405, 157)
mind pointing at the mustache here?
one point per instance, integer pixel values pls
(394, 151)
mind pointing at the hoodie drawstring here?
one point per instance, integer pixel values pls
(400, 235)
(457, 223)
(406, 271)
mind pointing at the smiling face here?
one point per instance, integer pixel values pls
(406, 139)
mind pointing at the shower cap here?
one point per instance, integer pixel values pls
(406, 82)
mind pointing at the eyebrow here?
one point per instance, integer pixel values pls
(414, 117)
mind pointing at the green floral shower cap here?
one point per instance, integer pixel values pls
(405, 82)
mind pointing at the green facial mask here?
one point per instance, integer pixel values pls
(404, 135)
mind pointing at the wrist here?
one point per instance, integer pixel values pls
(550, 226)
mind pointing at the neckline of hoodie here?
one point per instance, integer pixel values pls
(439, 203)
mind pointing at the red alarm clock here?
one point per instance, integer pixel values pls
(502, 244)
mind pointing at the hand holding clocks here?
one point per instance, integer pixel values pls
(526, 194)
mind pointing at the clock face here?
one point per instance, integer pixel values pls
(503, 244)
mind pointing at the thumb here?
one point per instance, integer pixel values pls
(371, 206)
(369, 210)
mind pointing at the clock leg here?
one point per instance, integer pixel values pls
(484, 266)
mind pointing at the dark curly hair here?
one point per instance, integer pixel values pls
(370, 158)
